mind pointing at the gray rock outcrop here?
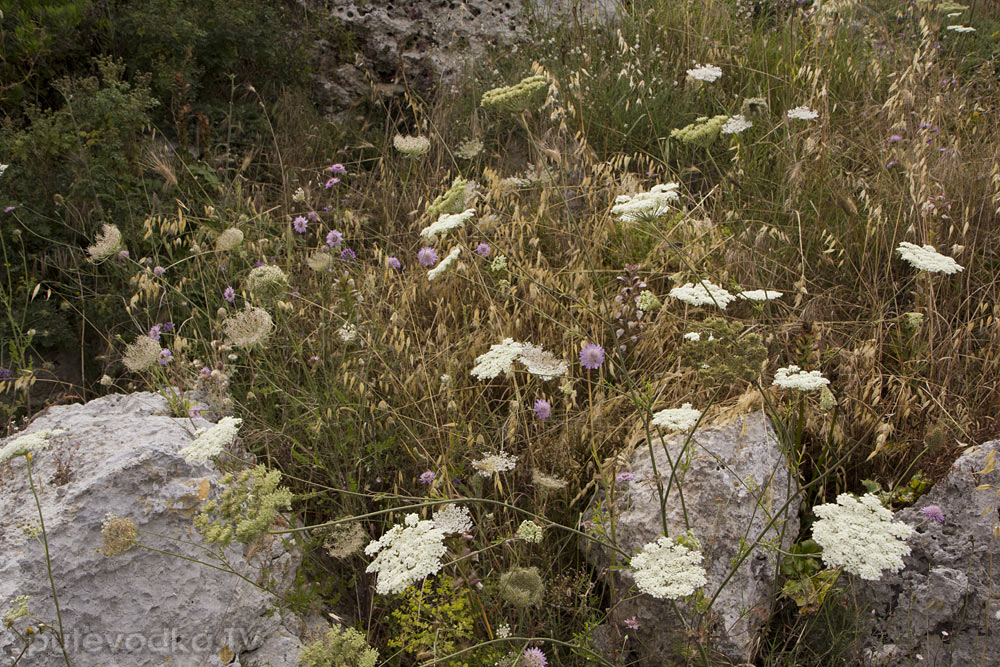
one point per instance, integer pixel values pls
(119, 454)
(735, 483)
(944, 606)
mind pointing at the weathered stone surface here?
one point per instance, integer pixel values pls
(735, 483)
(139, 608)
(424, 42)
(944, 606)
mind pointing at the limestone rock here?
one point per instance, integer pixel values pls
(735, 483)
(141, 607)
(944, 605)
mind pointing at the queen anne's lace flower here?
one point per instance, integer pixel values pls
(802, 113)
(960, 28)
(707, 73)
(667, 570)
(499, 359)
(656, 202)
(445, 263)
(541, 362)
(406, 554)
(27, 444)
(452, 519)
(704, 293)
(692, 336)
(446, 223)
(411, 147)
(759, 295)
(319, 261)
(677, 419)
(793, 377)
(528, 93)
(141, 354)
(494, 464)
(861, 536)
(248, 327)
(212, 441)
(735, 125)
(926, 258)
(106, 244)
(228, 239)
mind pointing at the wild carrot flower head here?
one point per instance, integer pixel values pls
(527, 94)
(927, 259)
(266, 283)
(107, 243)
(667, 570)
(411, 147)
(248, 327)
(759, 295)
(445, 263)
(499, 359)
(228, 239)
(212, 441)
(792, 377)
(494, 464)
(319, 261)
(644, 205)
(592, 356)
(704, 293)
(522, 587)
(802, 113)
(27, 443)
(446, 223)
(677, 419)
(141, 354)
(541, 362)
(453, 519)
(407, 553)
(736, 124)
(118, 535)
(860, 535)
(708, 73)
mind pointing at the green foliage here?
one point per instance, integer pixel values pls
(249, 503)
(433, 620)
(905, 494)
(340, 647)
(724, 354)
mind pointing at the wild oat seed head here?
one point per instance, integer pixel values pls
(703, 294)
(248, 327)
(860, 535)
(667, 570)
(453, 519)
(213, 441)
(407, 554)
(228, 239)
(141, 354)
(677, 419)
(28, 443)
(411, 147)
(107, 244)
(793, 377)
(926, 258)
(445, 263)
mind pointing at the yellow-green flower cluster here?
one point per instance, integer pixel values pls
(247, 507)
(703, 132)
(118, 534)
(452, 201)
(340, 647)
(528, 94)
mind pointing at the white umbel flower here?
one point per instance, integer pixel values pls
(667, 570)
(802, 113)
(446, 223)
(228, 239)
(692, 336)
(707, 73)
(677, 419)
(411, 147)
(453, 519)
(703, 294)
(926, 258)
(494, 464)
(140, 354)
(106, 244)
(445, 263)
(212, 441)
(541, 362)
(861, 536)
(736, 124)
(793, 377)
(759, 295)
(407, 554)
(656, 202)
(28, 443)
(961, 28)
(499, 359)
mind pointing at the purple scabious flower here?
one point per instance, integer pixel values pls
(330, 182)
(159, 271)
(165, 356)
(933, 512)
(300, 224)
(205, 372)
(625, 477)
(338, 169)
(895, 139)
(632, 623)
(347, 253)
(334, 238)
(154, 332)
(168, 326)
(313, 216)
(229, 294)
(542, 409)
(592, 356)
(483, 249)
(123, 254)
(427, 256)
(5, 374)
(533, 657)
(427, 477)
(394, 263)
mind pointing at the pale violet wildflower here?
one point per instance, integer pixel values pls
(704, 293)
(802, 113)
(453, 519)
(736, 124)
(708, 73)
(445, 263)
(667, 570)
(926, 258)
(499, 359)
(759, 295)
(446, 223)
(27, 444)
(677, 419)
(407, 554)
(656, 202)
(541, 362)
(494, 464)
(212, 441)
(860, 535)
(793, 377)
